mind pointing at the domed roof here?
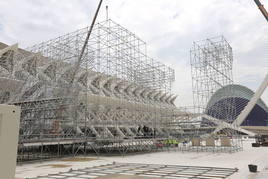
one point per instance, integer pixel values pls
(235, 91)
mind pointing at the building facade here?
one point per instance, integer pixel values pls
(238, 96)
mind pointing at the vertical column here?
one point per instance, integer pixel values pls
(9, 131)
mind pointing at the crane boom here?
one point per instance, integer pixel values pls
(78, 62)
(245, 112)
(262, 9)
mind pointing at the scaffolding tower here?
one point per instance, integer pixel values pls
(211, 67)
(212, 80)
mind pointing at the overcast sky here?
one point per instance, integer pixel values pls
(168, 26)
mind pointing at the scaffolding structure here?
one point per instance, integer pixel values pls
(111, 50)
(212, 80)
(119, 100)
(211, 66)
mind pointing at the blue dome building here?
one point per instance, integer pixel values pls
(228, 102)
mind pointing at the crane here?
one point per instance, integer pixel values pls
(79, 60)
(262, 9)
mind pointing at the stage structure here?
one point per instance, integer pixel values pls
(118, 95)
(118, 100)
